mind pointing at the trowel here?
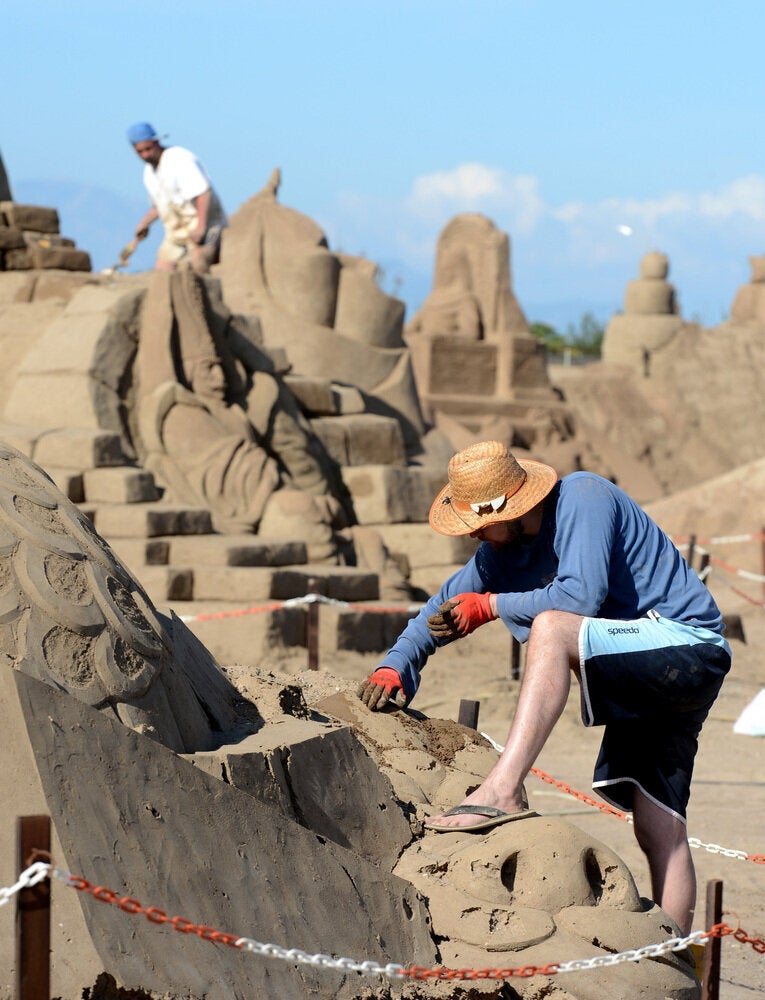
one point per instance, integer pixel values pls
(125, 255)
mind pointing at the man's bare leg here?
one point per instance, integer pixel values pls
(553, 651)
(664, 841)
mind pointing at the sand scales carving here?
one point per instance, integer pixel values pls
(72, 616)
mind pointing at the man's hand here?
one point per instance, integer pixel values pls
(461, 615)
(380, 687)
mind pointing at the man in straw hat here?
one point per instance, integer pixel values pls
(578, 569)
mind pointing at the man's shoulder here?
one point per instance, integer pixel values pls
(178, 154)
(585, 479)
(590, 487)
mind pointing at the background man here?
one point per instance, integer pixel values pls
(579, 569)
(183, 197)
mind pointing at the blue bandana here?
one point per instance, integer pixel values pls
(141, 132)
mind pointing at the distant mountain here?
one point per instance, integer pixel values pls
(100, 221)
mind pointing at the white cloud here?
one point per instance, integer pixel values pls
(572, 249)
(745, 196)
(469, 182)
(473, 187)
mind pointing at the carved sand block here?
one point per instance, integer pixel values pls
(472, 352)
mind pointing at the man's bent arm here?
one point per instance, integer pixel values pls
(142, 228)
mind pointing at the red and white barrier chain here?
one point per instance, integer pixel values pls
(293, 602)
(42, 870)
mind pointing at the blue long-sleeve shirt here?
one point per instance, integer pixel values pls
(597, 554)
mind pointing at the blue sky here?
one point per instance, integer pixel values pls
(564, 123)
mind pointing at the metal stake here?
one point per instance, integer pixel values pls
(33, 912)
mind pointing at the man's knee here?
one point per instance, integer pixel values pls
(546, 621)
(559, 630)
(656, 829)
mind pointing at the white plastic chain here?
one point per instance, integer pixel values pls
(29, 877)
(392, 969)
(634, 955)
(727, 852)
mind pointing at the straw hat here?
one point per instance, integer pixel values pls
(488, 485)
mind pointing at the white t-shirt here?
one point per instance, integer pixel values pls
(173, 185)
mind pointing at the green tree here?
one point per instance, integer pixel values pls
(586, 340)
(549, 336)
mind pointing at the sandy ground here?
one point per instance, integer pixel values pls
(726, 805)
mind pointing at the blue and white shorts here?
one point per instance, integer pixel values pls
(651, 683)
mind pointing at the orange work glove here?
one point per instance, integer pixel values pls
(380, 687)
(461, 615)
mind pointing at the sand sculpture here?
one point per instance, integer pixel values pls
(475, 361)
(325, 310)
(666, 403)
(165, 781)
(216, 425)
(749, 302)
(650, 319)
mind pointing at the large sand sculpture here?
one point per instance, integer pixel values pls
(233, 438)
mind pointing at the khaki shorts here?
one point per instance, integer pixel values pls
(174, 249)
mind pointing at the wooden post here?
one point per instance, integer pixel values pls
(691, 550)
(515, 659)
(469, 713)
(33, 912)
(703, 564)
(710, 964)
(312, 628)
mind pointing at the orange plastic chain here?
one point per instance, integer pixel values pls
(722, 930)
(152, 913)
(603, 807)
(524, 972)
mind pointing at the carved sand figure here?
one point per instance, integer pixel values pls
(213, 423)
(324, 309)
(75, 618)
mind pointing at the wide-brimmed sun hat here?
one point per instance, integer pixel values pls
(487, 484)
